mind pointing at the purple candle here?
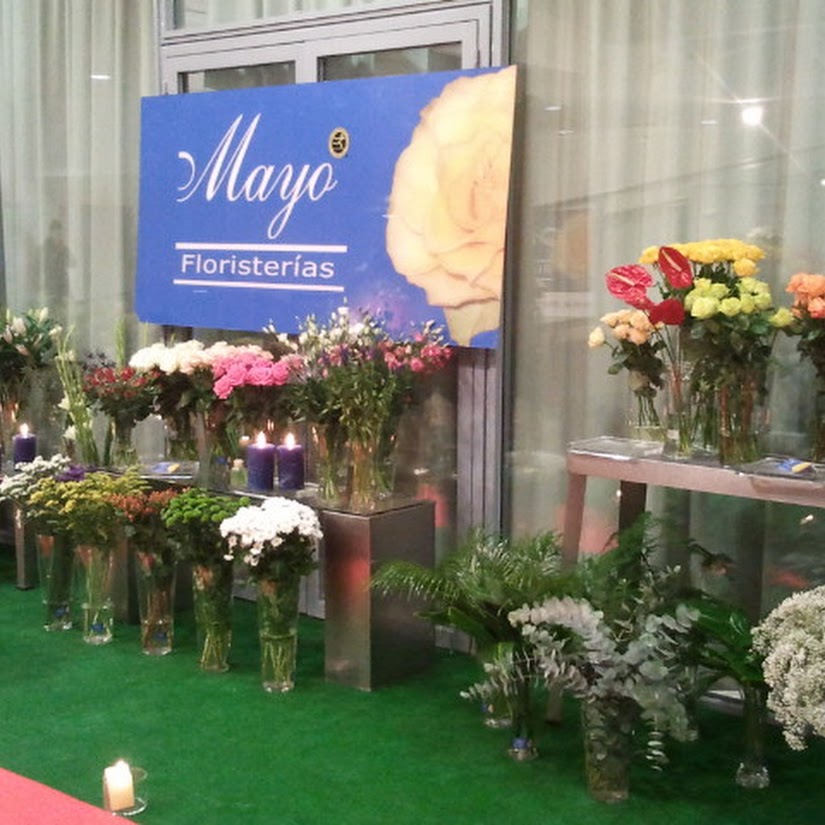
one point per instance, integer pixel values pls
(260, 465)
(24, 445)
(290, 464)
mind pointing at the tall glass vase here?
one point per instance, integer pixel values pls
(741, 410)
(643, 418)
(97, 564)
(55, 563)
(278, 631)
(9, 408)
(522, 743)
(753, 771)
(214, 464)
(155, 577)
(372, 467)
(329, 453)
(212, 596)
(123, 452)
(607, 728)
(181, 443)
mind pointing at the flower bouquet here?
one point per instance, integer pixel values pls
(28, 348)
(808, 311)
(356, 375)
(125, 396)
(253, 381)
(193, 519)
(792, 640)
(83, 509)
(199, 422)
(54, 552)
(155, 565)
(277, 540)
(714, 328)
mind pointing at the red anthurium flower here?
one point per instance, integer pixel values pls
(675, 267)
(670, 312)
(630, 284)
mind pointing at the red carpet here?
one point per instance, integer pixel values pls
(26, 802)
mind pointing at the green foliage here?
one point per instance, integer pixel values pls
(475, 587)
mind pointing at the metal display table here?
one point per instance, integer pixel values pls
(639, 464)
(370, 639)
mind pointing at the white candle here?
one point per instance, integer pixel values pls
(118, 788)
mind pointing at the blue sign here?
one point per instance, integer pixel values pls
(266, 205)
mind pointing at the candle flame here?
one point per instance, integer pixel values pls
(261, 439)
(289, 441)
(24, 430)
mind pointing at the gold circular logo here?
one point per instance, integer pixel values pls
(339, 142)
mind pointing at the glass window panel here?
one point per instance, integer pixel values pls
(438, 58)
(195, 14)
(239, 77)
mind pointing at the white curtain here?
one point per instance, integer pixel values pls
(634, 137)
(73, 73)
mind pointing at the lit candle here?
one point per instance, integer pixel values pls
(24, 445)
(118, 788)
(260, 465)
(290, 464)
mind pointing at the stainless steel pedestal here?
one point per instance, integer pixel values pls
(373, 640)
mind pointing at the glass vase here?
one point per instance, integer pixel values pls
(607, 728)
(97, 564)
(181, 443)
(155, 578)
(372, 470)
(522, 743)
(55, 563)
(123, 453)
(9, 408)
(212, 596)
(643, 416)
(753, 771)
(678, 411)
(329, 453)
(214, 465)
(278, 632)
(741, 410)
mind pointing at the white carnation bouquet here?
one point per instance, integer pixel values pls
(19, 486)
(792, 640)
(277, 537)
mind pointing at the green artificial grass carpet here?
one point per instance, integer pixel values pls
(218, 749)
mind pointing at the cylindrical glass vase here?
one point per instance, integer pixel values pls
(753, 770)
(96, 564)
(278, 632)
(212, 596)
(607, 728)
(155, 578)
(55, 562)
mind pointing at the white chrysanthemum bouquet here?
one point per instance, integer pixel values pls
(792, 640)
(275, 538)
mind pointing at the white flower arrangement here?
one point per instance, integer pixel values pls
(278, 532)
(792, 640)
(187, 357)
(18, 486)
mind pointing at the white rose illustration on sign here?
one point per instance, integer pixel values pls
(448, 206)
